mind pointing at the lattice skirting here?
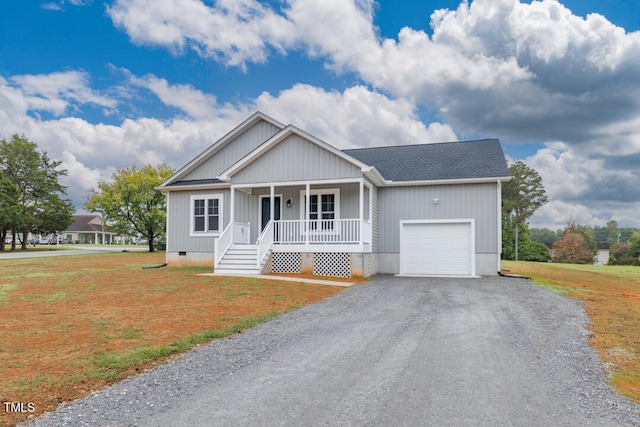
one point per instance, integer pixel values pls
(286, 262)
(332, 264)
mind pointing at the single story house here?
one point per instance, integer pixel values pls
(88, 229)
(272, 198)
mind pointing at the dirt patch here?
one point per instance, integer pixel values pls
(69, 322)
(612, 301)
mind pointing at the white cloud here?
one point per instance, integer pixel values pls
(233, 31)
(194, 102)
(55, 92)
(356, 117)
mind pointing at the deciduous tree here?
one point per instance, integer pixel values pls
(130, 201)
(572, 249)
(40, 202)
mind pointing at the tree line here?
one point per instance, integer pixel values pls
(574, 244)
(32, 200)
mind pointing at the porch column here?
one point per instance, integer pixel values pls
(272, 213)
(360, 225)
(231, 208)
(306, 216)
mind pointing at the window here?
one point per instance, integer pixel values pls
(323, 207)
(206, 214)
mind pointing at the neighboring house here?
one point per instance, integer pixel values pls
(431, 209)
(88, 229)
(602, 258)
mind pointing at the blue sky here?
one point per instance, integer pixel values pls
(102, 85)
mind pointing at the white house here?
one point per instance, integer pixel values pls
(428, 209)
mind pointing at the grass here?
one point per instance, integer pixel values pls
(71, 325)
(612, 300)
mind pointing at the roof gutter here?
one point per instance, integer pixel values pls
(389, 183)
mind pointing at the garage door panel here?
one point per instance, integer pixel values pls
(436, 248)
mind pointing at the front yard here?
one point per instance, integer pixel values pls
(71, 325)
(612, 300)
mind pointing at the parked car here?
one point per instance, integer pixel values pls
(43, 241)
(60, 241)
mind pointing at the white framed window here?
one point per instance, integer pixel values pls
(206, 214)
(324, 206)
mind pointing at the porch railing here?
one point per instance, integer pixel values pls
(235, 232)
(334, 231)
(264, 242)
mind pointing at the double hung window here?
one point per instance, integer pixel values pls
(206, 214)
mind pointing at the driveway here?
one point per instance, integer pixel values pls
(394, 351)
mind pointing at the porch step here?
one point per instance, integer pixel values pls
(239, 259)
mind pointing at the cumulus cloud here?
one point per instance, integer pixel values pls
(523, 72)
(90, 152)
(56, 92)
(354, 118)
(232, 31)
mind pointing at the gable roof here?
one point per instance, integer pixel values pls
(87, 224)
(441, 161)
(214, 148)
(284, 134)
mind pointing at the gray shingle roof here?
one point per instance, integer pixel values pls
(424, 162)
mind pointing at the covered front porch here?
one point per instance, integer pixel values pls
(319, 217)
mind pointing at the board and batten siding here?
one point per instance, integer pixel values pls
(296, 159)
(233, 151)
(375, 225)
(179, 221)
(461, 201)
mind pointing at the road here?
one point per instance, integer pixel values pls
(81, 250)
(391, 352)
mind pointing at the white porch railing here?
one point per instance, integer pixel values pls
(235, 232)
(264, 242)
(334, 231)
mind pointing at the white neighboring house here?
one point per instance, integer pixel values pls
(426, 209)
(88, 229)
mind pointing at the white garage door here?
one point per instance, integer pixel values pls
(437, 248)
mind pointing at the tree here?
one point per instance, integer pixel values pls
(130, 201)
(39, 194)
(613, 232)
(522, 196)
(634, 245)
(9, 209)
(572, 249)
(528, 249)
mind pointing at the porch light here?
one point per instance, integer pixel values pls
(289, 202)
(436, 201)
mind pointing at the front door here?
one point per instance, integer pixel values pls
(265, 210)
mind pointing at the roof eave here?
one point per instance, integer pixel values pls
(484, 180)
(168, 189)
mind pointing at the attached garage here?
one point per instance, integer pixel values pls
(437, 247)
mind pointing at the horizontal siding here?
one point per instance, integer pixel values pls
(234, 151)
(296, 159)
(477, 201)
(179, 211)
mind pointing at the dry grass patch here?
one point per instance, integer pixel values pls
(612, 301)
(71, 325)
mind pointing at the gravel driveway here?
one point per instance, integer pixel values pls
(394, 351)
